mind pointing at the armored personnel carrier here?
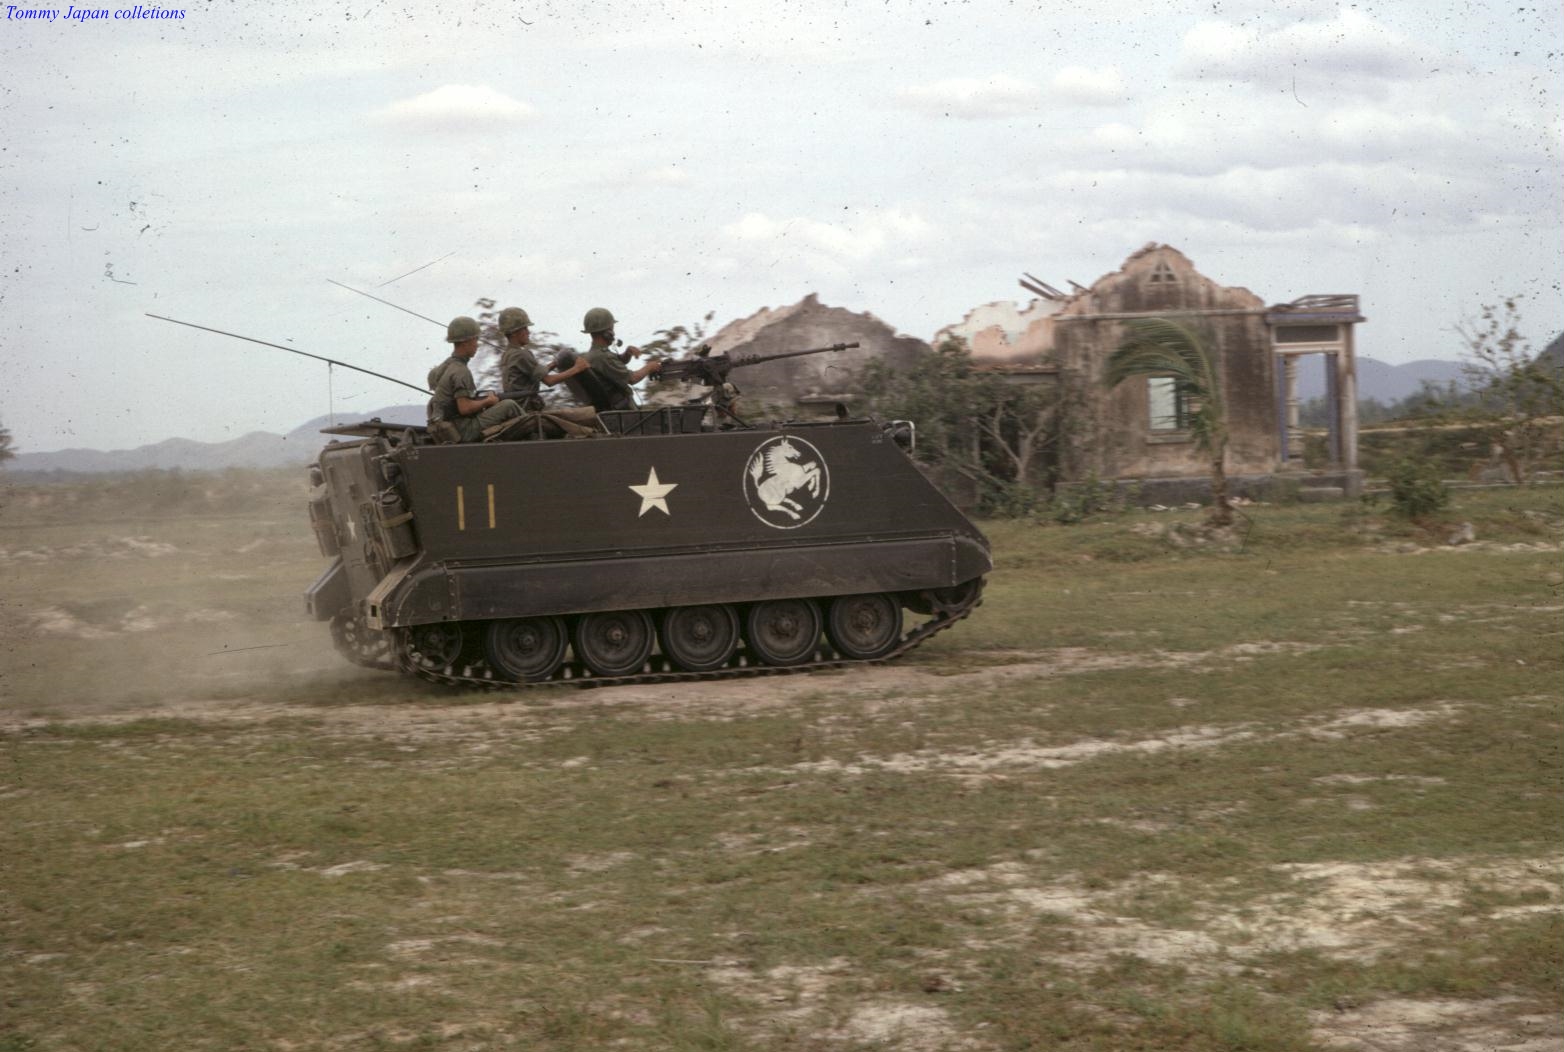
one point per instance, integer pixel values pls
(652, 551)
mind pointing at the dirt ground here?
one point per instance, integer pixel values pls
(228, 653)
(1356, 911)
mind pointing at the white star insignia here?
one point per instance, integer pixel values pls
(654, 494)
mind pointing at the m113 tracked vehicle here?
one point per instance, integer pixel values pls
(653, 551)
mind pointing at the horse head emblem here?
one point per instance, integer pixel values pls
(786, 482)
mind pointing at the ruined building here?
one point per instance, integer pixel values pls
(1138, 430)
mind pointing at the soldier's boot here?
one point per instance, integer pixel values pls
(444, 433)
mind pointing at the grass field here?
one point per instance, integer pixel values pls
(1297, 792)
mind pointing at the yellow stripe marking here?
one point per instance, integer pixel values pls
(491, 505)
(461, 510)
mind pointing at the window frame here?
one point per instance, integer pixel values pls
(1176, 398)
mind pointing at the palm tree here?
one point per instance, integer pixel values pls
(1162, 347)
(6, 452)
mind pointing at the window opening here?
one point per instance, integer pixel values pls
(1171, 406)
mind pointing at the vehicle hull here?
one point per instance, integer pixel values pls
(424, 534)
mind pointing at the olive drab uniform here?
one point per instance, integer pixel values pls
(452, 379)
(614, 374)
(521, 375)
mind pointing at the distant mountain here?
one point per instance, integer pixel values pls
(258, 449)
(1381, 381)
(391, 414)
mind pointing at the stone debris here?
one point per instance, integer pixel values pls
(1465, 533)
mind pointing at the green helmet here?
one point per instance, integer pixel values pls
(461, 329)
(598, 319)
(513, 318)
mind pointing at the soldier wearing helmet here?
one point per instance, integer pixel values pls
(520, 371)
(613, 372)
(456, 413)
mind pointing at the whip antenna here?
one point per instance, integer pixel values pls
(293, 350)
(388, 303)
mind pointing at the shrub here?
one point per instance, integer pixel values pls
(1078, 501)
(1416, 490)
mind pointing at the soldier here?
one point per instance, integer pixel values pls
(608, 368)
(520, 371)
(455, 403)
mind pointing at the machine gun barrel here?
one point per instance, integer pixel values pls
(756, 359)
(713, 370)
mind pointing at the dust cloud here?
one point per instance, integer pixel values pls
(165, 588)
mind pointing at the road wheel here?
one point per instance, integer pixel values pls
(783, 631)
(435, 646)
(947, 602)
(864, 627)
(700, 638)
(616, 643)
(525, 649)
(359, 643)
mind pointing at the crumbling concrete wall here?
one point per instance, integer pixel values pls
(1000, 333)
(1154, 282)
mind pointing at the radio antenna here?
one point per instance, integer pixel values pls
(388, 303)
(360, 292)
(294, 350)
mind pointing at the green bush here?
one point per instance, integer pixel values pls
(1416, 488)
(1075, 502)
(1006, 500)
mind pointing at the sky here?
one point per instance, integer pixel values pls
(910, 158)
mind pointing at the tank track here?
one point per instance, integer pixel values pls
(476, 674)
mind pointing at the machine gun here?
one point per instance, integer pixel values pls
(712, 369)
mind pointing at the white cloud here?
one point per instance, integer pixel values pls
(1262, 8)
(1115, 136)
(667, 175)
(1091, 87)
(770, 41)
(830, 248)
(1378, 132)
(1349, 45)
(627, 177)
(503, 275)
(973, 99)
(1355, 197)
(1448, 122)
(456, 106)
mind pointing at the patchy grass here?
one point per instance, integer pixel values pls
(1288, 797)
